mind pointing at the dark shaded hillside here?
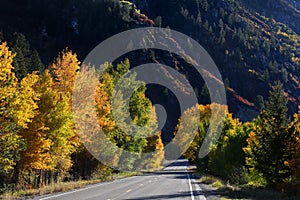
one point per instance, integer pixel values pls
(285, 11)
(51, 26)
(251, 50)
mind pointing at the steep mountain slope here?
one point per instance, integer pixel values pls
(53, 25)
(285, 11)
(251, 50)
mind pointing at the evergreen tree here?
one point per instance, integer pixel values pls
(267, 149)
(26, 60)
(199, 19)
(20, 46)
(204, 5)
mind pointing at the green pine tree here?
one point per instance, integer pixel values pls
(267, 149)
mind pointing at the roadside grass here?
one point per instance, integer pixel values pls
(48, 189)
(60, 187)
(225, 191)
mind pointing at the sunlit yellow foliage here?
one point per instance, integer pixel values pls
(184, 124)
(8, 84)
(154, 146)
(102, 100)
(10, 142)
(35, 156)
(25, 104)
(64, 69)
(284, 34)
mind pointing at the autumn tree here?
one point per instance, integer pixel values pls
(141, 114)
(50, 134)
(193, 150)
(153, 153)
(62, 131)
(128, 138)
(59, 120)
(64, 69)
(18, 107)
(103, 101)
(36, 155)
(11, 143)
(155, 147)
(227, 158)
(63, 138)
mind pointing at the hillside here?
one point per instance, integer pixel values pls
(50, 26)
(251, 49)
(285, 11)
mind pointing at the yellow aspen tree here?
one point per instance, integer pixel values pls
(18, 107)
(102, 100)
(36, 156)
(62, 135)
(10, 142)
(8, 85)
(184, 123)
(64, 69)
(24, 105)
(57, 117)
(154, 151)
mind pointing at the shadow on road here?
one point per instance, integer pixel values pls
(178, 195)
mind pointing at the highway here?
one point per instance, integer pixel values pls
(173, 182)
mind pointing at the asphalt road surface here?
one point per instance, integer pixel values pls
(173, 182)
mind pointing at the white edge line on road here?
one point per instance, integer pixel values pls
(190, 185)
(202, 197)
(82, 189)
(70, 192)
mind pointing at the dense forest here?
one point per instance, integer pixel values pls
(255, 45)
